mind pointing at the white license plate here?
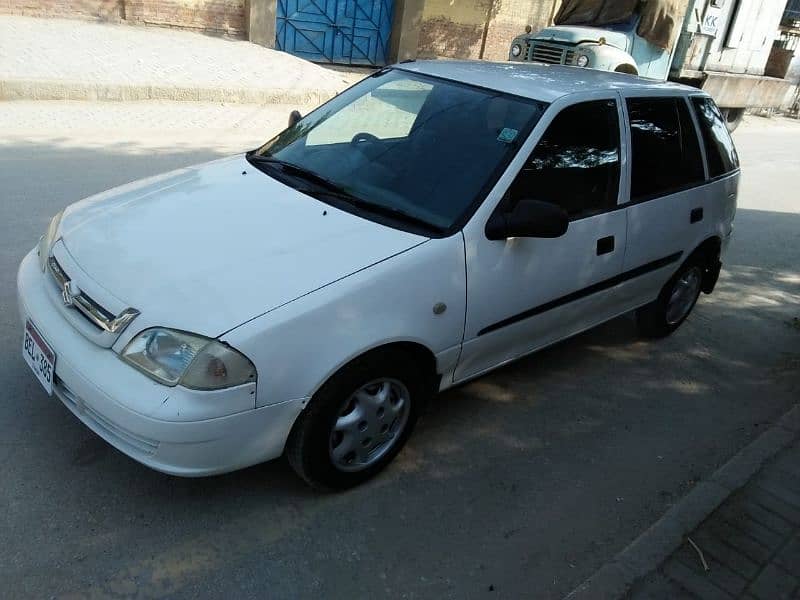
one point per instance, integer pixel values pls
(39, 356)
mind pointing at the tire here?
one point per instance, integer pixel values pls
(666, 313)
(311, 448)
(733, 118)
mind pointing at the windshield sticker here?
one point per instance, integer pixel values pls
(508, 135)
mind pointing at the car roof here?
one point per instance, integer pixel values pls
(538, 81)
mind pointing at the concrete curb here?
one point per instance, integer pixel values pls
(23, 89)
(643, 555)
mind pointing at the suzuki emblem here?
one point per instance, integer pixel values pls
(70, 291)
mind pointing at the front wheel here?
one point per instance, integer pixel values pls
(676, 300)
(357, 422)
(733, 118)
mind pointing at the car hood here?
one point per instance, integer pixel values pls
(574, 35)
(207, 248)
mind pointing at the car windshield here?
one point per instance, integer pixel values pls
(408, 150)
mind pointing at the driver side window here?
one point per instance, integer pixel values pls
(576, 163)
(387, 112)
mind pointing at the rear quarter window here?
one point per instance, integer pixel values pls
(720, 152)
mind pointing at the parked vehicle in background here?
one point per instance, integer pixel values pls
(431, 223)
(719, 46)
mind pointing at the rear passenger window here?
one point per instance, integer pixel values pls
(720, 153)
(576, 163)
(665, 149)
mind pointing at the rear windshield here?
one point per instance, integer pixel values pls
(720, 152)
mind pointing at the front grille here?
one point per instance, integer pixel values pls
(95, 314)
(549, 53)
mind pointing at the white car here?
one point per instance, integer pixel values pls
(433, 222)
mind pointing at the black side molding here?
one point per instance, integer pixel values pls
(587, 291)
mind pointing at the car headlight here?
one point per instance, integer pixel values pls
(582, 60)
(176, 357)
(516, 50)
(46, 241)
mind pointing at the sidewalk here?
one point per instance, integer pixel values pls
(750, 544)
(736, 535)
(57, 59)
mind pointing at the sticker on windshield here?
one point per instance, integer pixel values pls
(508, 135)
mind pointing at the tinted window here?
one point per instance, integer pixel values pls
(576, 163)
(664, 146)
(720, 153)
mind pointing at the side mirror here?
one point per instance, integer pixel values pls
(294, 117)
(530, 218)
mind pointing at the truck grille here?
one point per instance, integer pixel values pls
(549, 53)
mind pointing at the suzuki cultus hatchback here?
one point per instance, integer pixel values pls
(429, 224)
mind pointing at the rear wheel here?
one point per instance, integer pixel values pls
(358, 421)
(676, 300)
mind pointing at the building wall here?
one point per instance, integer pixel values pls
(209, 16)
(478, 28)
(428, 28)
(106, 10)
(452, 28)
(509, 21)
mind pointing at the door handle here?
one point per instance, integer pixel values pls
(696, 215)
(605, 245)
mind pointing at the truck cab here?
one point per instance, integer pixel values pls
(589, 41)
(719, 46)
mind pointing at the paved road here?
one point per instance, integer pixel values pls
(519, 484)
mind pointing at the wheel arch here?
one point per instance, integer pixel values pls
(707, 254)
(418, 352)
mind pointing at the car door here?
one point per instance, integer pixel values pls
(668, 212)
(525, 293)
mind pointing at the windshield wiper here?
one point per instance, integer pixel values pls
(298, 171)
(334, 190)
(395, 213)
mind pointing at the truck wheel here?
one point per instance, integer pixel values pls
(676, 300)
(625, 68)
(358, 421)
(733, 117)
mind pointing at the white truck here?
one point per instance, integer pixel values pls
(721, 46)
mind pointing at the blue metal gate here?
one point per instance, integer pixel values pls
(351, 32)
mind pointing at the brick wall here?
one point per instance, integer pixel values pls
(209, 16)
(452, 28)
(509, 20)
(456, 28)
(106, 10)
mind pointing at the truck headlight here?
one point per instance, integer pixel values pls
(582, 60)
(516, 50)
(197, 362)
(46, 241)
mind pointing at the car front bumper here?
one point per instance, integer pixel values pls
(120, 404)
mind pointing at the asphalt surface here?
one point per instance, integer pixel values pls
(519, 484)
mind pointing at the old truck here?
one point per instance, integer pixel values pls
(721, 46)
